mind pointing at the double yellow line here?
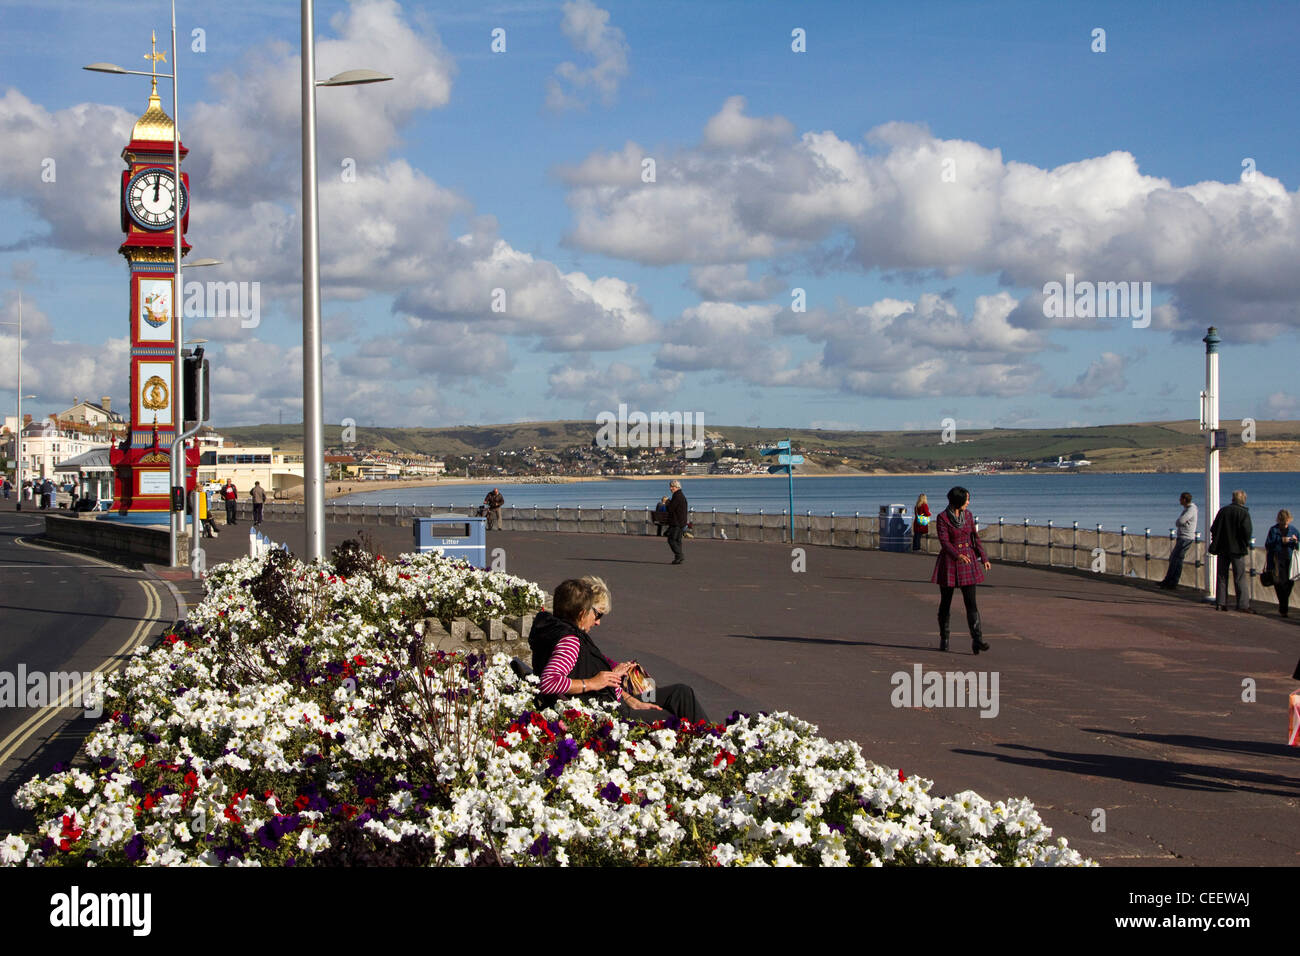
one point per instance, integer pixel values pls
(28, 728)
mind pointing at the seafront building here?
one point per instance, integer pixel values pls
(280, 474)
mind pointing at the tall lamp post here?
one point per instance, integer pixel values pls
(18, 436)
(313, 398)
(1213, 442)
(177, 464)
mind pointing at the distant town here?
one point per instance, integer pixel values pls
(72, 448)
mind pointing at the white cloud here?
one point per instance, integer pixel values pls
(1104, 375)
(732, 130)
(588, 29)
(890, 348)
(603, 389)
(1282, 405)
(566, 311)
(915, 203)
(732, 283)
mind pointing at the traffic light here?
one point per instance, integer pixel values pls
(195, 391)
(178, 498)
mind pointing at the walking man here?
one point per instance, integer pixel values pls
(493, 503)
(1186, 536)
(231, 496)
(677, 519)
(1230, 541)
(258, 494)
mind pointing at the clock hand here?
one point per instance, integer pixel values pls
(157, 185)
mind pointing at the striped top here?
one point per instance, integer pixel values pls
(555, 676)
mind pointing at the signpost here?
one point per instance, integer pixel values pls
(785, 464)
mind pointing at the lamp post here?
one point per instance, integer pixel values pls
(198, 424)
(18, 436)
(1210, 424)
(313, 398)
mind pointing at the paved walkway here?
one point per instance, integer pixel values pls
(1111, 697)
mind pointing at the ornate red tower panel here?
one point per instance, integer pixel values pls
(150, 198)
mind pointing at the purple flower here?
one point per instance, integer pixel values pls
(135, 848)
(611, 792)
(267, 836)
(541, 846)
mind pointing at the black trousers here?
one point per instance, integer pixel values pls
(671, 700)
(675, 542)
(257, 512)
(1175, 572)
(1283, 589)
(972, 610)
(1238, 565)
(230, 512)
(916, 539)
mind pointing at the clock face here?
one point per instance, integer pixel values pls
(151, 198)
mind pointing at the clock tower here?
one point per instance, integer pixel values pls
(151, 197)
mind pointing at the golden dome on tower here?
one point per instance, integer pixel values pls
(154, 124)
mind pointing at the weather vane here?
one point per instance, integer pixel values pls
(154, 56)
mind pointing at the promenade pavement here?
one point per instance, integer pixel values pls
(1167, 716)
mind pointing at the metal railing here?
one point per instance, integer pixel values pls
(1116, 553)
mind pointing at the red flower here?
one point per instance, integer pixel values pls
(301, 803)
(140, 763)
(902, 778)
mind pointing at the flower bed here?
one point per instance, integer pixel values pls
(297, 718)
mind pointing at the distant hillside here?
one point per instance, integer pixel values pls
(1144, 446)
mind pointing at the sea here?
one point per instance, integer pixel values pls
(1138, 501)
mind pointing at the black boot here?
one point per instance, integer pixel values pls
(976, 634)
(943, 632)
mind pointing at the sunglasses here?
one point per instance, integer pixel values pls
(599, 614)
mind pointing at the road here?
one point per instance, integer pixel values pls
(61, 613)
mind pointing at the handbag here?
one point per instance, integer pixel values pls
(1266, 578)
(1295, 565)
(639, 683)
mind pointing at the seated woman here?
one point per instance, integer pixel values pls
(571, 665)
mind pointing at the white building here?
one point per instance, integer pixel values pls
(278, 473)
(92, 415)
(48, 442)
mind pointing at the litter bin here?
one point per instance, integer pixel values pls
(459, 536)
(895, 529)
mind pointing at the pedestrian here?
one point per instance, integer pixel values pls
(1185, 526)
(48, 494)
(1281, 544)
(493, 503)
(1230, 536)
(678, 515)
(207, 501)
(27, 491)
(258, 494)
(958, 566)
(7, 486)
(661, 517)
(231, 496)
(921, 522)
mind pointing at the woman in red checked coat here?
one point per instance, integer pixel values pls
(958, 566)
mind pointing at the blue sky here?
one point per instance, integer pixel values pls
(920, 171)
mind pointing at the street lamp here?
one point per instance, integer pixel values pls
(313, 399)
(198, 424)
(18, 437)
